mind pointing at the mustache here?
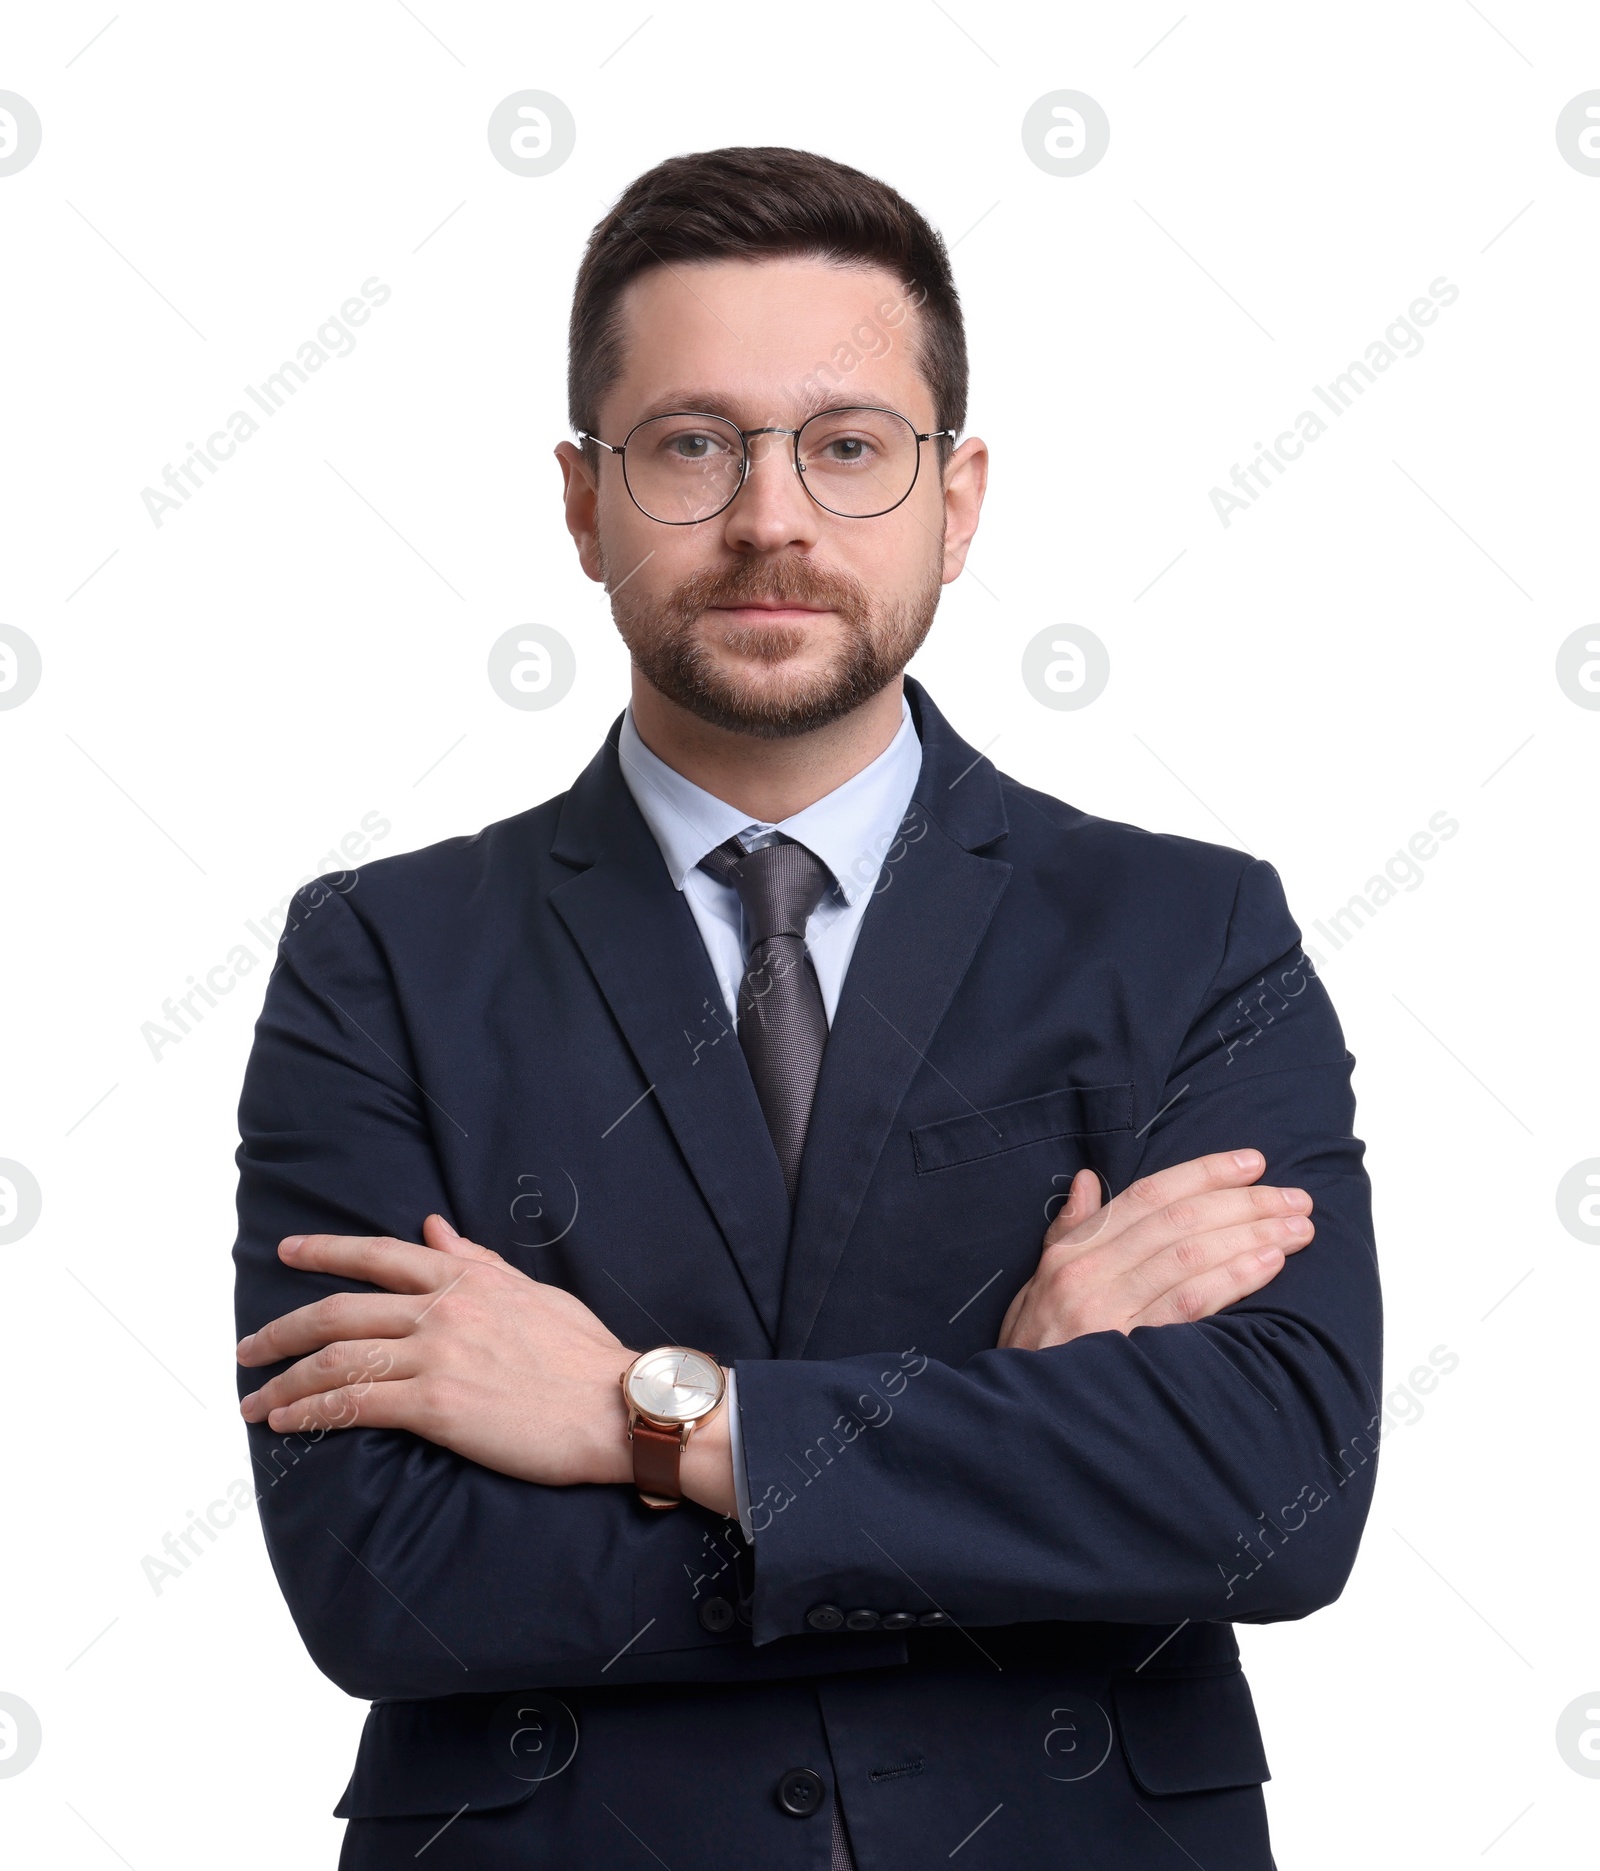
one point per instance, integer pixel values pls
(792, 581)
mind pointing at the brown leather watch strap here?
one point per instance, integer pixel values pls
(657, 1454)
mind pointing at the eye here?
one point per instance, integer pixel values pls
(842, 450)
(679, 443)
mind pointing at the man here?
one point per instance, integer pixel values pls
(727, 1469)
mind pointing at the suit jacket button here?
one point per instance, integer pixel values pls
(800, 1792)
(716, 1614)
(899, 1620)
(825, 1617)
(935, 1620)
(861, 1620)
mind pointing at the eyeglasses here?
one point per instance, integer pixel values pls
(686, 466)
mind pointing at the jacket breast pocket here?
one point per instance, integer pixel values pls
(1074, 1111)
(1189, 1731)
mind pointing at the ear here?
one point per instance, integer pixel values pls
(582, 500)
(966, 476)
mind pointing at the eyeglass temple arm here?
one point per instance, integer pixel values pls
(585, 436)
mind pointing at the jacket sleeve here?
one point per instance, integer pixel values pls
(1218, 1470)
(409, 1570)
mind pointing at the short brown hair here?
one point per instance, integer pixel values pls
(748, 204)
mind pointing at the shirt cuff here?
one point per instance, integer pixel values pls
(741, 1481)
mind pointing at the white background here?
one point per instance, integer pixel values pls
(1371, 643)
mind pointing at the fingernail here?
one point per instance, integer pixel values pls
(449, 1228)
(1269, 1254)
(291, 1244)
(1297, 1225)
(244, 1344)
(1247, 1159)
(245, 1402)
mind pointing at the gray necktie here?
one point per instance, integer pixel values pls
(783, 1025)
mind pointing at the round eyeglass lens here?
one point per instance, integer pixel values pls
(683, 468)
(858, 462)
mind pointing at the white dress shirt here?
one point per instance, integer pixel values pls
(852, 829)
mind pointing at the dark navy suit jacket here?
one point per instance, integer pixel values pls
(988, 1589)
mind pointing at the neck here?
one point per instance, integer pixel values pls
(771, 780)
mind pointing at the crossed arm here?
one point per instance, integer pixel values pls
(465, 1351)
(1086, 1468)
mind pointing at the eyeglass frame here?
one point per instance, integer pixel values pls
(620, 450)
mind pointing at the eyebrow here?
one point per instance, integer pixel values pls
(715, 403)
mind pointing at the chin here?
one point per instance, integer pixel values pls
(772, 702)
(809, 668)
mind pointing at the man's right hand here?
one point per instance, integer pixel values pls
(1172, 1248)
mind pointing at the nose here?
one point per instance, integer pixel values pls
(772, 510)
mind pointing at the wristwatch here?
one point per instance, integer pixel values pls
(669, 1392)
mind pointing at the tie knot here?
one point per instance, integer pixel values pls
(779, 884)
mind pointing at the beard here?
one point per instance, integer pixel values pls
(878, 639)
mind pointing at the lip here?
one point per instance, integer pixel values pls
(768, 613)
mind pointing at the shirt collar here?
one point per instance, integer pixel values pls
(851, 829)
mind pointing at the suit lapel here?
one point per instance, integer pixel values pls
(642, 946)
(917, 940)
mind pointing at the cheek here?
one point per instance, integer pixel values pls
(913, 542)
(924, 509)
(897, 546)
(617, 519)
(658, 557)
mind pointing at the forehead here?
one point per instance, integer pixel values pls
(767, 337)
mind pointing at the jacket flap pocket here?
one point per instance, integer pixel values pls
(1074, 1111)
(450, 1752)
(1190, 1731)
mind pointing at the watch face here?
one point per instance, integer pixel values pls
(674, 1385)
